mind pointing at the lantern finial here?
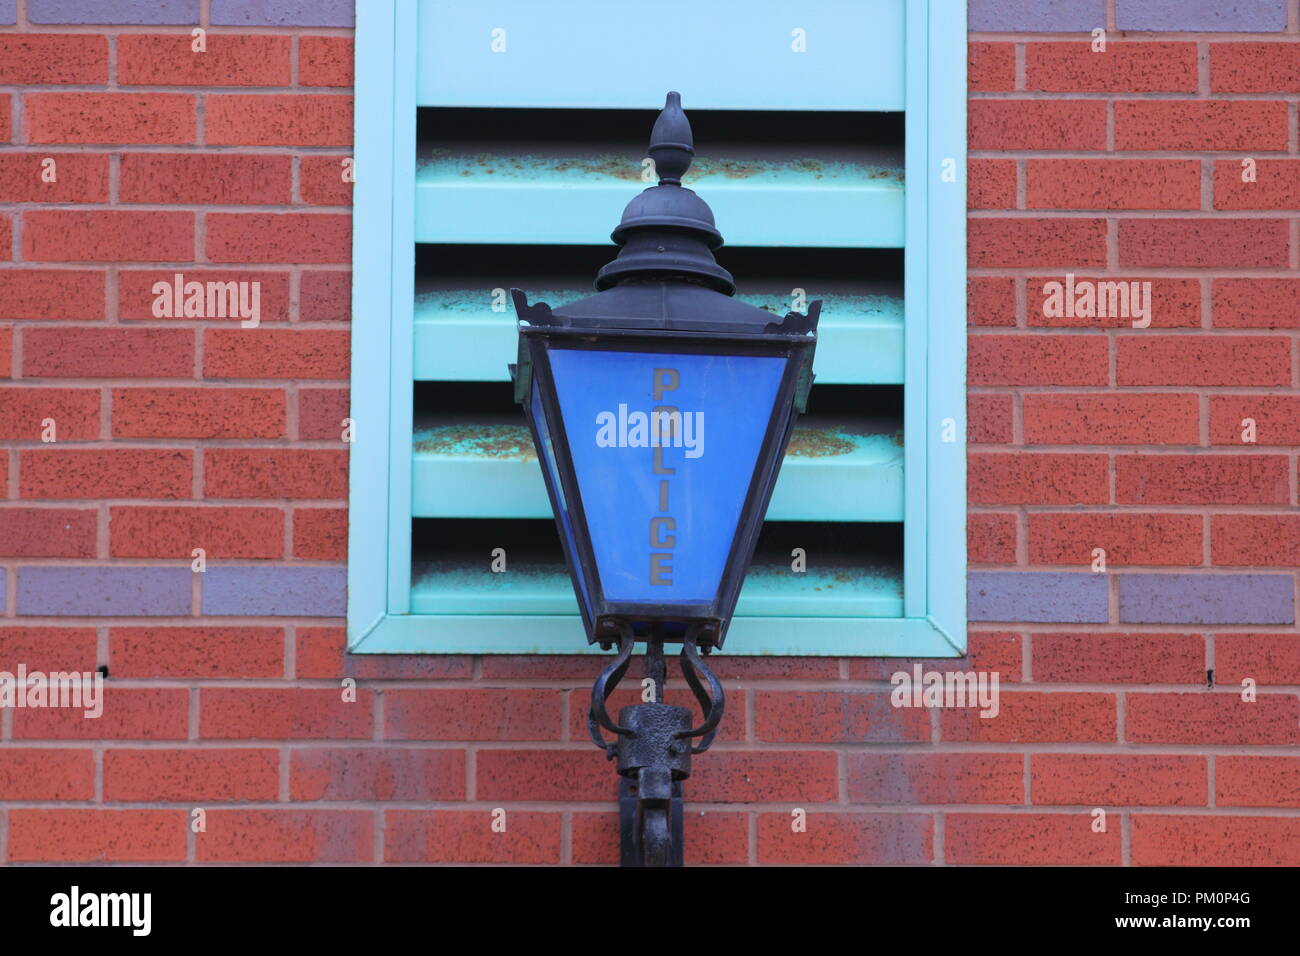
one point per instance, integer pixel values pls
(671, 145)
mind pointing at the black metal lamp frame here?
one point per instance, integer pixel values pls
(664, 293)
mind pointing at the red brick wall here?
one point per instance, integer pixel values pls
(183, 433)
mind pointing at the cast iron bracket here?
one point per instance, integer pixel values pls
(653, 747)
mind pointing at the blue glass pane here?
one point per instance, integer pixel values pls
(547, 452)
(664, 447)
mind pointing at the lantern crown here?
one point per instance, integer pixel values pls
(668, 231)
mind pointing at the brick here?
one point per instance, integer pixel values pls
(283, 13)
(108, 353)
(839, 838)
(1109, 780)
(1256, 781)
(373, 773)
(186, 776)
(1264, 658)
(988, 418)
(1067, 243)
(1196, 243)
(1206, 598)
(6, 237)
(1124, 67)
(990, 301)
(710, 837)
(1254, 68)
(562, 776)
(275, 591)
(320, 652)
(79, 178)
(321, 181)
(321, 412)
(48, 648)
(175, 531)
(1036, 478)
(1127, 539)
(279, 237)
(1113, 184)
(1276, 186)
(986, 651)
(1218, 840)
(991, 67)
(228, 60)
(324, 61)
(767, 776)
(108, 236)
(320, 534)
(129, 714)
(283, 714)
(1153, 418)
(52, 294)
(1201, 479)
(48, 532)
(46, 774)
(105, 473)
(479, 714)
(1201, 124)
(199, 413)
(992, 184)
(1000, 125)
(190, 179)
(275, 353)
(274, 473)
(991, 537)
(1204, 15)
(325, 296)
(1202, 360)
(137, 299)
(23, 412)
(1100, 658)
(110, 118)
(287, 836)
(467, 836)
(6, 351)
(96, 590)
(894, 778)
(91, 836)
(836, 717)
(270, 119)
(1036, 16)
(1247, 540)
(1029, 839)
(31, 59)
(1256, 303)
(1276, 418)
(197, 652)
(1212, 719)
(1022, 359)
(6, 117)
(120, 11)
(1070, 301)
(1025, 717)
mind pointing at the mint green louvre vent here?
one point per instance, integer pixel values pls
(497, 144)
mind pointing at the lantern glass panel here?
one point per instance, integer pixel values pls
(664, 448)
(546, 450)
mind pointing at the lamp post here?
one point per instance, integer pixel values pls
(660, 408)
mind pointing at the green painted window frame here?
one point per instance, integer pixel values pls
(380, 485)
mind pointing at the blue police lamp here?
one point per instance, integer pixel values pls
(661, 408)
